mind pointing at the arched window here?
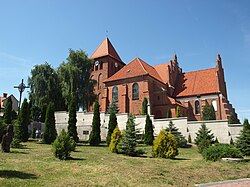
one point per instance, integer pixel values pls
(115, 94)
(197, 107)
(135, 91)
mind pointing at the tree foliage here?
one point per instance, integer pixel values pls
(63, 146)
(45, 87)
(145, 106)
(113, 108)
(22, 132)
(72, 129)
(149, 132)
(204, 133)
(181, 141)
(75, 78)
(169, 114)
(208, 112)
(115, 140)
(243, 141)
(178, 112)
(128, 142)
(165, 145)
(50, 133)
(95, 137)
(232, 118)
(111, 126)
(8, 111)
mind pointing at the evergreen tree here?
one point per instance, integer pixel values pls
(33, 135)
(149, 132)
(169, 114)
(95, 137)
(113, 108)
(232, 118)
(189, 138)
(231, 141)
(24, 121)
(115, 139)
(72, 129)
(204, 133)
(165, 145)
(208, 112)
(43, 113)
(145, 106)
(111, 126)
(181, 141)
(8, 111)
(128, 142)
(50, 133)
(243, 141)
(178, 112)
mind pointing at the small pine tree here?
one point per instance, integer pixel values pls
(95, 135)
(115, 139)
(72, 129)
(24, 121)
(128, 142)
(204, 133)
(50, 133)
(145, 106)
(111, 126)
(181, 141)
(178, 112)
(208, 112)
(189, 138)
(243, 141)
(8, 111)
(169, 114)
(149, 132)
(16, 143)
(63, 145)
(165, 145)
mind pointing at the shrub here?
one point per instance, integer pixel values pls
(24, 121)
(189, 138)
(208, 112)
(219, 151)
(115, 139)
(204, 144)
(181, 141)
(95, 135)
(165, 145)
(243, 141)
(50, 133)
(145, 106)
(149, 132)
(231, 141)
(111, 126)
(204, 133)
(178, 112)
(169, 114)
(72, 129)
(63, 145)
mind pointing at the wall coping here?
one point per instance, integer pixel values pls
(208, 121)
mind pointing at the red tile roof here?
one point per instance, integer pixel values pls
(135, 68)
(106, 49)
(197, 83)
(162, 71)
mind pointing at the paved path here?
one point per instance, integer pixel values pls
(232, 183)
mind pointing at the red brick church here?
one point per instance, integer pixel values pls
(165, 86)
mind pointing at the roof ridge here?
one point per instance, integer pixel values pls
(140, 61)
(199, 70)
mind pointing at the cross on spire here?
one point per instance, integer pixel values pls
(21, 87)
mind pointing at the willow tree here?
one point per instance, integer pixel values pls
(75, 78)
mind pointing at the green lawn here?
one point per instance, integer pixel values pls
(35, 165)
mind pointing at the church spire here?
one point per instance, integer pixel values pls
(218, 62)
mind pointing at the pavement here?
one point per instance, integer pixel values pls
(231, 183)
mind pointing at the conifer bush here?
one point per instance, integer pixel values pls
(189, 138)
(231, 141)
(63, 146)
(204, 133)
(115, 139)
(50, 133)
(219, 151)
(169, 114)
(95, 135)
(203, 144)
(208, 112)
(243, 141)
(145, 106)
(24, 121)
(178, 112)
(72, 129)
(149, 132)
(33, 135)
(111, 126)
(181, 141)
(165, 145)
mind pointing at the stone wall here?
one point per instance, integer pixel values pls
(220, 128)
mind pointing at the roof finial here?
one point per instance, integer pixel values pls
(175, 57)
(218, 57)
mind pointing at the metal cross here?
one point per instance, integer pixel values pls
(21, 87)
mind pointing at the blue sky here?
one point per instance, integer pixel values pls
(33, 31)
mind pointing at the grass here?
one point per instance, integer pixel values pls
(35, 165)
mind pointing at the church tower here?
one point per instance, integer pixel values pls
(106, 63)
